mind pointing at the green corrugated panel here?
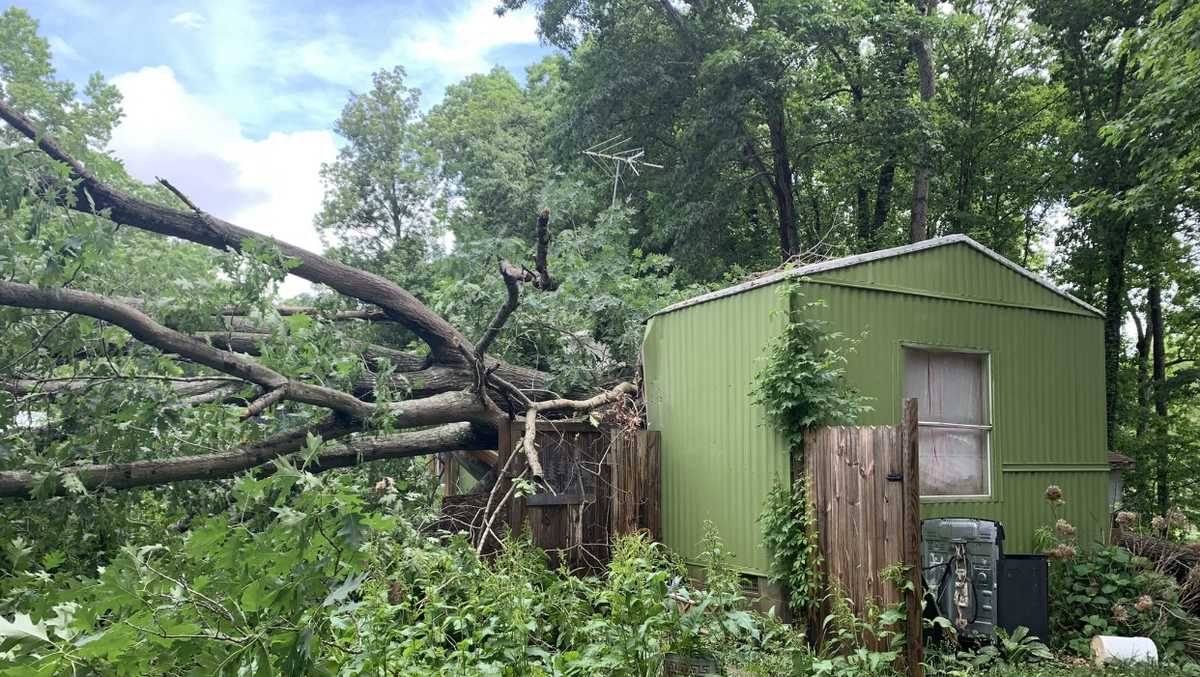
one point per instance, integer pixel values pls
(719, 456)
(1047, 393)
(1046, 373)
(1025, 507)
(955, 270)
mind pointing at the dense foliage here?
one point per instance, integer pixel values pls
(1060, 133)
(1102, 589)
(322, 574)
(802, 382)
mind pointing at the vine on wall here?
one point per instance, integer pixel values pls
(802, 384)
(789, 528)
(803, 380)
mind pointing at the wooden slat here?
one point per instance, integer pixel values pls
(651, 484)
(865, 523)
(910, 448)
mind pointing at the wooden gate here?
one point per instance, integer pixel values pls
(601, 483)
(864, 483)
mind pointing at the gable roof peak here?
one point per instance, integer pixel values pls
(857, 259)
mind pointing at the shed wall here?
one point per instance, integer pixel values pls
(956, 271)
(721, 458)
(1047, 382)
(719, 455)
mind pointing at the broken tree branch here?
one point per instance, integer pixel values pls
(543, 282)
(179, 194)
(21, 483)
(120, 476)
(443, 339)
(511, 275)
(267, 400)
(531, 413)
(146, 330)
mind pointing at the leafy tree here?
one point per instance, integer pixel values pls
(492, 137)
(381, 196)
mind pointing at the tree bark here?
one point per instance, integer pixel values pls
(1143, 371)
(785, 194)
(1116, 247)
(1159, 391)
(920, 47)
(883, 197)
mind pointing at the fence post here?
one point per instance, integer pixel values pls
(911, 544)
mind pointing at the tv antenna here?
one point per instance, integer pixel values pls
(612, 154)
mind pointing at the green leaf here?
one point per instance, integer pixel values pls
(341, 592)
(22, 627)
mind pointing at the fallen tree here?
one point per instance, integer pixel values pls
(453, 390)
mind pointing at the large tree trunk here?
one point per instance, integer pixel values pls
(785, 194)
(1159, 378)
(917, 227)
(1143, 372)
(1116, 249)
(883, 196)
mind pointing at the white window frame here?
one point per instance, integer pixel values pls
(988, 429)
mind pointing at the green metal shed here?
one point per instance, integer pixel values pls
(1009, 368)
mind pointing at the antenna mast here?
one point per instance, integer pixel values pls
(610, 155)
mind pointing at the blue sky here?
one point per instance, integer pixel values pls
(234, 101)
(285, 66)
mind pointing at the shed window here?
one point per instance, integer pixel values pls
(955, 420)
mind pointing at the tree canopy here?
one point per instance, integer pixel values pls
(165, 412)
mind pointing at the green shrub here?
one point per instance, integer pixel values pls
(1098, 589)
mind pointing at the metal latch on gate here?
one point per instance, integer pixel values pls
(895, 477)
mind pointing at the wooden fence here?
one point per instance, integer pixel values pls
(601, 484)
(864, 483)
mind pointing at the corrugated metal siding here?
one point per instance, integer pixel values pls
(719, 456)
(958, 271)
(1025, 506)
(1047, 392)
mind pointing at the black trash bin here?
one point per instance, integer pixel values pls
(1024, 587)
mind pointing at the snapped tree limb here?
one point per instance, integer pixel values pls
(444, 340)
(133, 474)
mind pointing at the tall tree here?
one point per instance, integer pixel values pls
(1099, 90)
(380, 192)
(926, 79)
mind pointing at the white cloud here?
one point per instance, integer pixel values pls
(460, 46)
(308, 62)
(271, 185)
(62, 49)
(189, 19)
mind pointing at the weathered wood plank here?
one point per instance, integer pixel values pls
(914, 648)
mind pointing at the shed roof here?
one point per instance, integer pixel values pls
(1119, 461)
(848, 261)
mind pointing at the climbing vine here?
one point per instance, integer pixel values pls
(801, 384)
(789, 528)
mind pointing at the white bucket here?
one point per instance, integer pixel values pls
(1109, 648)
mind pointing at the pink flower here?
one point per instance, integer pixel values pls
(1159, 523)
(1064, 527)
(1126, 518)
(1119, 613)
(1054, 494)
